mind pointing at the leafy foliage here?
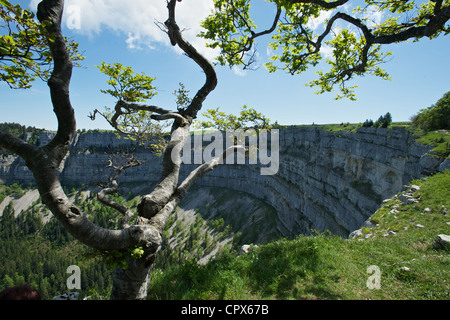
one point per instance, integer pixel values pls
(231, 30)
(348, 51)
(126, 84)
(434, 117)
(298, 42)
(117, 258)
(182, 97)
(129, 86)
(247, 118)
(24, 53)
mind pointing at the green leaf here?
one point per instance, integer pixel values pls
(5, 3)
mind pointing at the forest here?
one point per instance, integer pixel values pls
(39, 254)
(36, 250)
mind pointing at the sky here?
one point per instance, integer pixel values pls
(126, 32)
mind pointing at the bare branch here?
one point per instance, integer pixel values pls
(112, 188)
(60, 79)
(163, 113)
(206, 167)
(112, 122)
(16, 145)
(322, 3)
(254, 36)
(127, 108)
(171, 115)
(176, 38)
(160, 219)
(138, 107)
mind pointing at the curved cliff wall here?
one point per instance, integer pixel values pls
(326, 180)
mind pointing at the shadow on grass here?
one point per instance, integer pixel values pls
(290, 270)
(280, 270)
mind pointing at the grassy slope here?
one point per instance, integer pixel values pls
(329, 267)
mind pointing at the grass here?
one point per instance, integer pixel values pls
(350, 127)
(440, 140)
(325, 266)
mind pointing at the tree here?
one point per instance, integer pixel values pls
(434, 117)
(387, 119)
(142, 239)
(382, 122)
(368, 123)
(354, 39)
(24, 54)
(248, 118)
(8, 222)
(231, 29)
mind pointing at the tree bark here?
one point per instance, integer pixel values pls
(131, 283)
(156, 207)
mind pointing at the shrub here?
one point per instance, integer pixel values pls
(434, 117)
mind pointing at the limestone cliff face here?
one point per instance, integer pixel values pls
(330, 181)
(326, 180)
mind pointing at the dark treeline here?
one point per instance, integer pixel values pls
(382, 122)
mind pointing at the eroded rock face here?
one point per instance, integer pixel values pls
(326, 180)
(329, 181)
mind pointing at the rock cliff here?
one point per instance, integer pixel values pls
(326, 180)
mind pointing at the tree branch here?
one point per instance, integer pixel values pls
(205, 168)
(154, 202)
(112, 188)
(322, 3)
(436, 23)
(52, 11)
(130, 107)
(295, 62)
(248, 46)
(432, 27)
(16, 145)
(160, 219)
(176, 38)
(140, 107)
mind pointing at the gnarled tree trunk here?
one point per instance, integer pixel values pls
(155, 208)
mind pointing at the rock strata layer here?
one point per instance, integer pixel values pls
(326, 180)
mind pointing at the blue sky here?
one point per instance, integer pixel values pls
(127, 34)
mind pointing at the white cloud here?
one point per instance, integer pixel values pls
(133, 41)
(136, 20)
(239, 71)
(326, 51)
(315, 23)
(373, 16)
